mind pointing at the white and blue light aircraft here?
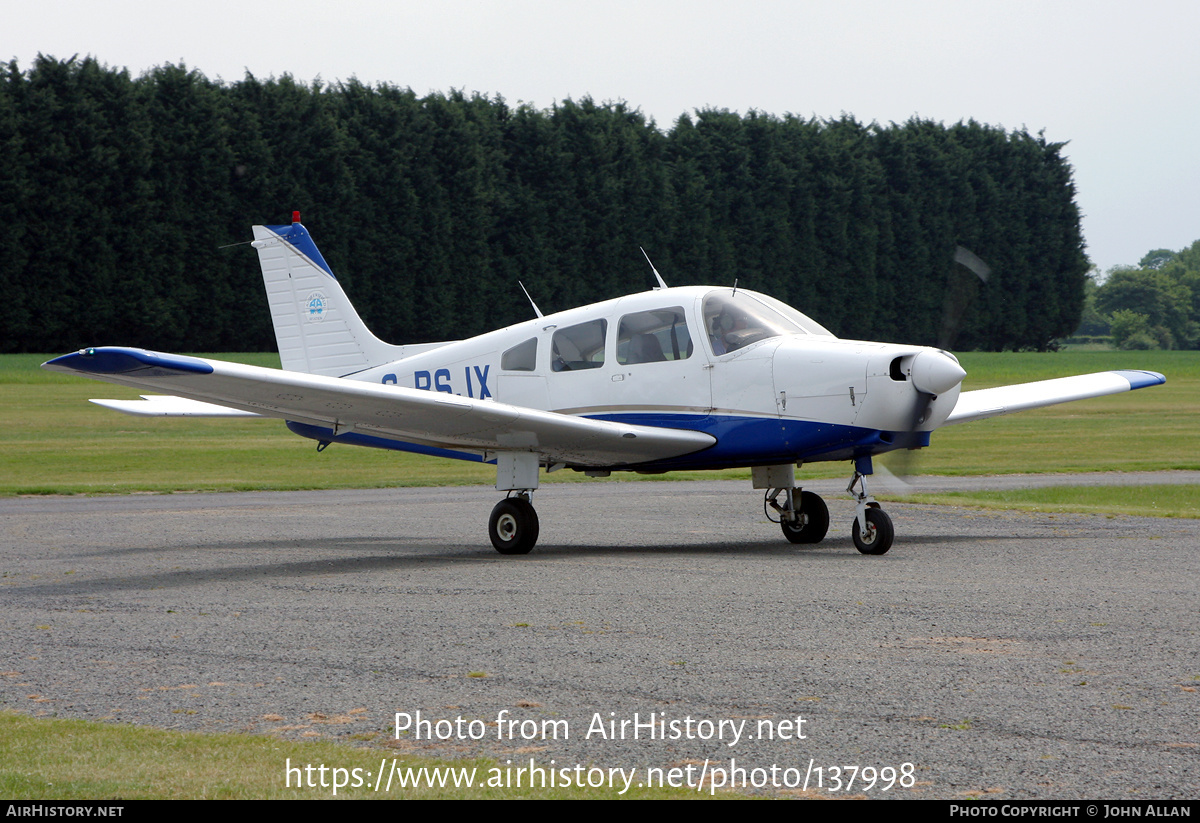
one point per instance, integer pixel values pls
(671, 378)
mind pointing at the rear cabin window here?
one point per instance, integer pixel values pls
(653, 337)
(579, 347)
(522, 357)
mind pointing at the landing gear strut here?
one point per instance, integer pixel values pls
(513, 526)
(807, 522)
(803, 516)
(872, 532)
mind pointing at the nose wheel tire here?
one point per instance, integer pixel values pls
(879, 533)
(513, 526)
(811, 523)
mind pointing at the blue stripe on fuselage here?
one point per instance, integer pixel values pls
(746, 441)
(741, 440)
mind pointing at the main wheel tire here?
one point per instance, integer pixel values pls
(513, 526)
(812, 522)
(879, 533)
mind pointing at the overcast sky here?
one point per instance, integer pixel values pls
(1118, 81)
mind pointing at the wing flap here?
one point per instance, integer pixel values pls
(157, 405)
(438, 418)
(984, 403)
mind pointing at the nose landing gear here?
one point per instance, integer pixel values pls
(873, 532)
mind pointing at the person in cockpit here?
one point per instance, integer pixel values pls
(724, 327)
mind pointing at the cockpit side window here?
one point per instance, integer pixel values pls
(579, 347)
(653, 337)
(522, 357)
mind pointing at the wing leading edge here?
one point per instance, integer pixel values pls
(984, 403)
(409, 415)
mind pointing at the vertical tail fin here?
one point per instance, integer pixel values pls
(316, 327)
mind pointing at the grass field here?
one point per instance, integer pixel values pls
(55, 442)
(80, 760)
(1147, 430)
(1155, 500)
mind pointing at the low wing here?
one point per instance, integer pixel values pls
(984, 403)
(409, 415)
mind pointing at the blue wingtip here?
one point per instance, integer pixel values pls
(117, 360)
(1142, 379)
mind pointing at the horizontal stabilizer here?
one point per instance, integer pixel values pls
(984, 403)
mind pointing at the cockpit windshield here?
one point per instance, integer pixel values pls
(735, 319)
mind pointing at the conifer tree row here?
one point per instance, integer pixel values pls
(118, 192)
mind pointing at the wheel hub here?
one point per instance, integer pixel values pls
(506, 526)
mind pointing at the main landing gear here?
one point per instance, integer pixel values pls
(513, 526)
(804, 517)
(809, 521)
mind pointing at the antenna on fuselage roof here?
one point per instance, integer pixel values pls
(661, 283)
(536, 310)
(735, 285)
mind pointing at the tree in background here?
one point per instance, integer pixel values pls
(1156, 305)
(118, 193)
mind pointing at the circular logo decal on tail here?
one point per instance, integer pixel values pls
(316, 306)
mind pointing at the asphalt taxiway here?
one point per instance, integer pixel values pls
(1005, 654)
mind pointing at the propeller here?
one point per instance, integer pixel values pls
(933, 373)
(961, 291)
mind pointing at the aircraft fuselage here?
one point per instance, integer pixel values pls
(783, 391)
